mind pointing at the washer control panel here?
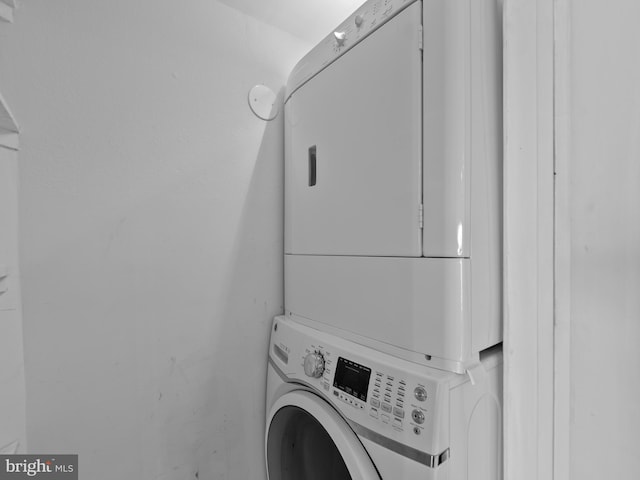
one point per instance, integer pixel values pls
(385, 395)
(369, 17)
(388, 400)
(392, 403)
(403, 401)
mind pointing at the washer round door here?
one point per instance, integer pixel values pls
(306, 439)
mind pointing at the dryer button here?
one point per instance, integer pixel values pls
(340, 37)
(386, 407)
(375, 402)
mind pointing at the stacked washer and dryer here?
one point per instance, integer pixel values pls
(387, 362)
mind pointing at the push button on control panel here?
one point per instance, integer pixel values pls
(418, 417)
(420, 394)
(349, 400)
(398, 412)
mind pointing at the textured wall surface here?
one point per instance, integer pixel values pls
(151, 231)
(12, 378)
(605, 239)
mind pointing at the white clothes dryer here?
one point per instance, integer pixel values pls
(339, 410)
(393, 181)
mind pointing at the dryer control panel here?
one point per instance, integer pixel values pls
(390, 401)
(357, 26)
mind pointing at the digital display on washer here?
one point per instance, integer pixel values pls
(352, 378)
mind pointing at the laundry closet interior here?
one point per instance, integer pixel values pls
(330, 239)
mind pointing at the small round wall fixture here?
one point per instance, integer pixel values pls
(262, 101)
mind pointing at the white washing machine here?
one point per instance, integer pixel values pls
(339, 410)
(393, 163)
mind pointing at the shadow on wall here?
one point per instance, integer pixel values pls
(254, 295)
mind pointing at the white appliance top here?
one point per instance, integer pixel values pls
(361, 23)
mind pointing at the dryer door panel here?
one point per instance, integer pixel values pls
(353, 149)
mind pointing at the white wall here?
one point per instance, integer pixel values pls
(12, 379)
(151, 231)
(604, 204)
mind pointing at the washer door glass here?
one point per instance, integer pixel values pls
(308, 440)
(299, 448)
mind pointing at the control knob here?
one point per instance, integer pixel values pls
(340, 37)
(314, 365)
